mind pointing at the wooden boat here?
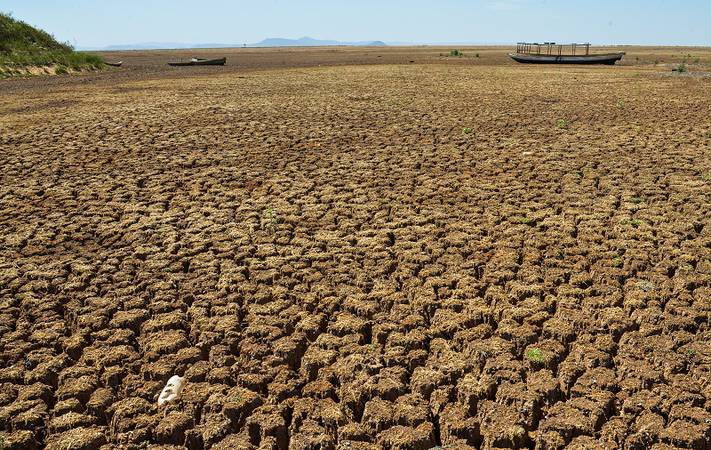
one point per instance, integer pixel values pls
(199, 62)
(608, 58)
(550, 53)
(114, 64)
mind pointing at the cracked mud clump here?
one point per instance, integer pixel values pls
(330, 261)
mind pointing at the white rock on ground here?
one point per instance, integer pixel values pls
(171, 391)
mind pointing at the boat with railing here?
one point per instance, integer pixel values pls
(552, 53)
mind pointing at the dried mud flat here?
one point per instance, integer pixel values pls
(364, 257)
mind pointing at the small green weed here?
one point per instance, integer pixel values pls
(271, 220)
(645, 285)
(617, 262)
(690, 352)
(535, 354)
(61, 70)
(620, 103)
(562, 124)
(456, 53)
(634, 222)
(681, 67)
(636, 200)
(522, 220)
(467, 130)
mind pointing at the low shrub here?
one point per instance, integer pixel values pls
(22, 45)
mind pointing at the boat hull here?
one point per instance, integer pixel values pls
(608, 58)
(201, 62)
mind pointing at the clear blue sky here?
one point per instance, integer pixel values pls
(98, 23)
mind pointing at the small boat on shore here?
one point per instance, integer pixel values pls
(199, 62)
(552, 53)
(114, 64)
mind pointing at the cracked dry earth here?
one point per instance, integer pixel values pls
(332, 262)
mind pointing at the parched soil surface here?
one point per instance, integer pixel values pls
(358, 257)
(153, 64)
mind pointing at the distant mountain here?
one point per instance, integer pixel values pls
(311, 42)
(271, 42)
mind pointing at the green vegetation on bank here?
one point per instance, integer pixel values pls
(23, 46)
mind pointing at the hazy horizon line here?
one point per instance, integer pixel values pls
(363, 43)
